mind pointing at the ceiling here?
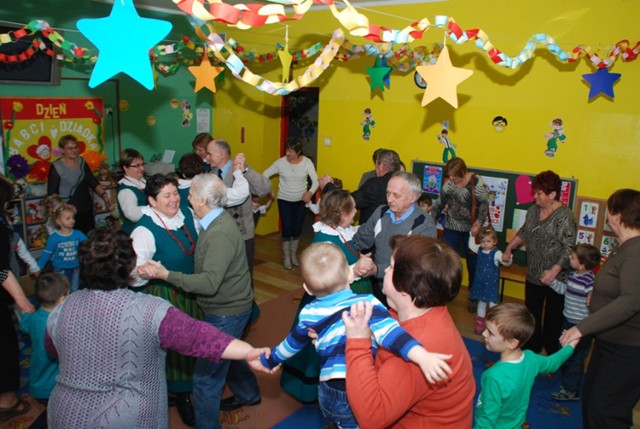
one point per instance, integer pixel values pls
(168, 6)
(268, 36)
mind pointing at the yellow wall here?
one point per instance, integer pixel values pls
(602, 149)
(239, 106)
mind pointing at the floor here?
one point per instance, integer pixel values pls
(272, 280)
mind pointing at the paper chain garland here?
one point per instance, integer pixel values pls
(392, 44)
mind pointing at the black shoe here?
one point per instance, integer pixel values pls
(185, 409)
(230, 404)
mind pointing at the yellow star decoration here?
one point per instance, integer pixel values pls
(285, 59)
(205, 75)
(442, 79)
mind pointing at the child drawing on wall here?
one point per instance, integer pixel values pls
(367, 123)
(553, 137)
(449, 147)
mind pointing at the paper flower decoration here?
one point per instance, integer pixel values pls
(601, 82)
(124, 40)
(18, 166)
(39, 172)
(442, 79)
(94, 159)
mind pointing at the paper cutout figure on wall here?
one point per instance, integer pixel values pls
(499, 123)
(443, 138)
(186, 113)
(555, 136)
(367, 123)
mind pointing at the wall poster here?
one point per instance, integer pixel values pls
(32, 127)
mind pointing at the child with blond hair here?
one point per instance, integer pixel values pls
(486, 282)
(326, 275)
(62, 246)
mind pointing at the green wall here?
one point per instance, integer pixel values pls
(130, 125)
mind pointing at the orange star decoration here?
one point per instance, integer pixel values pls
(205, 75)
(442, 79)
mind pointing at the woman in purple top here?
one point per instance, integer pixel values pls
(111, 344)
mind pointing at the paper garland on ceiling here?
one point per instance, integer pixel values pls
(248, 16)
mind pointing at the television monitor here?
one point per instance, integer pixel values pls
(40, 69)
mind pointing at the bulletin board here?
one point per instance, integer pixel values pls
(591, 214)
(509, 194)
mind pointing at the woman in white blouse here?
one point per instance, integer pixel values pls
(293, 194)
(131, 197)
(167, 232)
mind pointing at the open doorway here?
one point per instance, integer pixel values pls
(300, 119)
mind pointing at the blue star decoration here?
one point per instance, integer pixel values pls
(124, 40)
(601, 82)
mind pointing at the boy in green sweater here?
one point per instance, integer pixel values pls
(506, 386)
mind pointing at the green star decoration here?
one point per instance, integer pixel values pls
(124, 40)
(378, 74)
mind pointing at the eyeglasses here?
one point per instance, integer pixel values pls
(136, 165)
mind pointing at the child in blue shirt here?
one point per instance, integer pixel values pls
(326, 276)
(51, 289)
(63, 246)
(576, 293)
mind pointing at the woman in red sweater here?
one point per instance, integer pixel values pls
(386, 391)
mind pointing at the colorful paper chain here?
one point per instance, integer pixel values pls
(394, 45)
(246, 16)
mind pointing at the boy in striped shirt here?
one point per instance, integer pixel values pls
(326, 275)
(577, 294)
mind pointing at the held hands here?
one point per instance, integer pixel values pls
(324, 180)
(253, 359)
(152, 270)
(571, 336)
(25, 305)
(475, 228)
(548, 276)
(239, 162)
(306, 197)
(507, 256)
(365, 266)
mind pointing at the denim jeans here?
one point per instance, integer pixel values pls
(73, 274)
(573, 368)
(335, 406)
(209, 377)
(292, 216)
(458, 239)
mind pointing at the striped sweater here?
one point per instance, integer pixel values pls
(575, 292)
(324, 315)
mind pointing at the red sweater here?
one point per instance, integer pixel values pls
(391, 392)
